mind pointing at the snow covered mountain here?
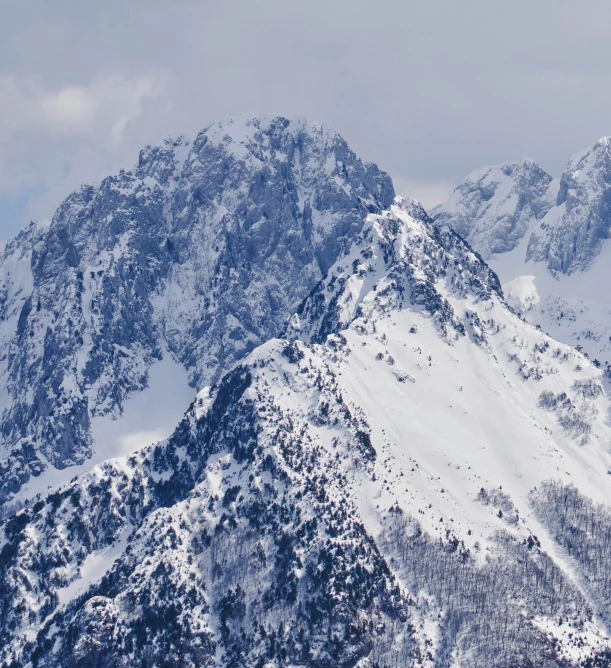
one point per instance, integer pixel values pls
(494, 206)
(157, 280)
(554, 263)
(571, 235)
(411, 476)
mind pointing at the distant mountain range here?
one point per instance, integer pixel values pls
(546, 238)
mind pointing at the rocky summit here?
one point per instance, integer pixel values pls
(199, 254)
(564, 222)
(494, 206)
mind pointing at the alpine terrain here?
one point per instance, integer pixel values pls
(377, 463)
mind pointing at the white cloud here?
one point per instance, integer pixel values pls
(54, 139)
(69, 105)
(428, 193)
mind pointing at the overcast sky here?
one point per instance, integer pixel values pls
(429, 89)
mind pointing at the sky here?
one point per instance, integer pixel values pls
(428, 90)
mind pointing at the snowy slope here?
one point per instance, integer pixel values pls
(191, 259)
(370, 490)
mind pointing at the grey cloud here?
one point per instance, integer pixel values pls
(428, 90)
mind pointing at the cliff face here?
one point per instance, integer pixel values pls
(564, 222)
(571, 236)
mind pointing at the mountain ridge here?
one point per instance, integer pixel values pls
(555, 275)
(566, 225)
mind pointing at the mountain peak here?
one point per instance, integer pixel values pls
(567, 219)
(571, 236)
(492, 207)
(401, 257)
(244, 127)
(264, 130)
(195, 257)
(603, 142)
(594, 157)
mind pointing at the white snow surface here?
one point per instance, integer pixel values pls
(467, 417)
(95, 566)
(574, 309)
(521, 293)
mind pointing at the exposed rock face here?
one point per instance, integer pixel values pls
(494, 206)
(570, 237)
(565, 222)
(202, 251)
(557, 274)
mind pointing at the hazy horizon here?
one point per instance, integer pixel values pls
(428, 91)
